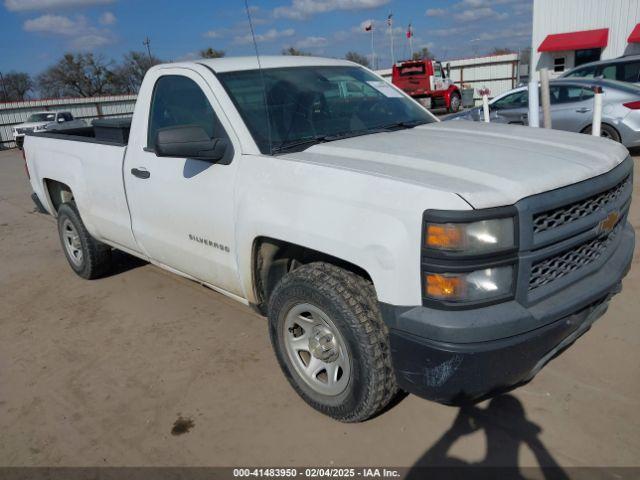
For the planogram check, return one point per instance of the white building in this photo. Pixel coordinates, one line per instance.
(569, 33)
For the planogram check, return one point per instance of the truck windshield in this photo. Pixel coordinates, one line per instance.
(308, 105)
(42, 117)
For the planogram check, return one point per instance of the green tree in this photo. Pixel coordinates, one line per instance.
(212, 53)
(357, 58)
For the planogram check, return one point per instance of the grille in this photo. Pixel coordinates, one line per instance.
(552, 268)
(569, 213)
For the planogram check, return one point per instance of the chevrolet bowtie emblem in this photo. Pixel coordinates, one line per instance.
(606, 225)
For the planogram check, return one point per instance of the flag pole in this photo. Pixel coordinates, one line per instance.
(373, 50)
(390, 23)
(410, 33)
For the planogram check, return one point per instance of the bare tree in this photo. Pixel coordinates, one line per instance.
(500, 51)
(295, 52)
(80, 74)
(423, 54)
(127, 77)
(357, 58)
(17, 86)
(212, 53)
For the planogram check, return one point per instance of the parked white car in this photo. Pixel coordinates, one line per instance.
(44, 121)
(388, 250)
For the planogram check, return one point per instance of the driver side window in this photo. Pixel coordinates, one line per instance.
(179, 101)
(515, 100)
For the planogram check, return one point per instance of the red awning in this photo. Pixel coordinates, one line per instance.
(575, 40)
(635, 35)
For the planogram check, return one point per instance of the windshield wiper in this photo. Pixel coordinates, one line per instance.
(400, 125)
(308, 142)
(283, 147)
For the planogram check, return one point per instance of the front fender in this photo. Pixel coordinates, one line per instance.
(372, 222)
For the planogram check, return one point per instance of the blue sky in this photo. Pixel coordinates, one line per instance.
(34, 33)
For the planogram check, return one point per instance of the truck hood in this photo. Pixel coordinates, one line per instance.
(489, 165)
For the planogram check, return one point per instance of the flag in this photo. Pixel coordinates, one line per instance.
(409, 32)
(389, 19)
(368, 27)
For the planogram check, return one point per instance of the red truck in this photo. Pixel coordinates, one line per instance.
(427, 82)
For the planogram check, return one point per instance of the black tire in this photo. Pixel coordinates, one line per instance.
(95, 260)
(351, 304)
(606, 131)
(454, 103)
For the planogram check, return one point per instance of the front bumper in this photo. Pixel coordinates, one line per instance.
(452, 357)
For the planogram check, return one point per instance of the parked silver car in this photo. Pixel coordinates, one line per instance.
(572, 108)
(623, 69)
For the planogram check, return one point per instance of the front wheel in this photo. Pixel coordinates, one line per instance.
(331, 342)
(606, 131)
(454, 103)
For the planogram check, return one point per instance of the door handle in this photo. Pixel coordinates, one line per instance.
(583, 110)
(140, 172)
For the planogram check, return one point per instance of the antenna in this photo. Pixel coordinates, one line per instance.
(264, 84)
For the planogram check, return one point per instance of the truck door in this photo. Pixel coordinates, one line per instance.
(182, 209)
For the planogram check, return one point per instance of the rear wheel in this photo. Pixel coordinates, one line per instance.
(454, 103)
(331, 343)
(606, 131)
(87, 257)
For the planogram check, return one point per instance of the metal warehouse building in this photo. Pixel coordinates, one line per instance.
(569, 33)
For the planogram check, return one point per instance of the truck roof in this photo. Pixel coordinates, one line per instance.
(234, 64)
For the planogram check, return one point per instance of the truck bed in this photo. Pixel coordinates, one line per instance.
(112, 131)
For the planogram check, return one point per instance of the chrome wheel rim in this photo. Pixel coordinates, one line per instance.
(316, 349)
(72, 243)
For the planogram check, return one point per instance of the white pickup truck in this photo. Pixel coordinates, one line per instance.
(45, 121)
(388, 250)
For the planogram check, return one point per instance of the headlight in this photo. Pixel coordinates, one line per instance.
(474, 238)
(478, 285)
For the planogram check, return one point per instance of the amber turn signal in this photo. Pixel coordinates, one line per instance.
(444, 287)
(444, 236)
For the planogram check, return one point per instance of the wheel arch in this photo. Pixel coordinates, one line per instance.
(272, 258)
(57, 193)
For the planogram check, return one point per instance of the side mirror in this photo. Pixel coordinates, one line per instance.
(448, 70)
(60, 120)
(189, 141)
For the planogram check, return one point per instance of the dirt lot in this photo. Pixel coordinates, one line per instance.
(97, 372)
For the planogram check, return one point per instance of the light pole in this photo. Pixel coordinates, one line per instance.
(147, 44)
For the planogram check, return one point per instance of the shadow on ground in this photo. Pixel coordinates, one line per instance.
(506, 428)
(123, 262)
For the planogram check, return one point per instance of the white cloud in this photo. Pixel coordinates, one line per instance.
(212, 34)
(81, 35)
(268, 36)
(312, 42)
(447, 32)
(108, 18)
(435, 12)
(24, 5)
(472, 15)
(302, 9)
(54, 24)
(90, 41)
